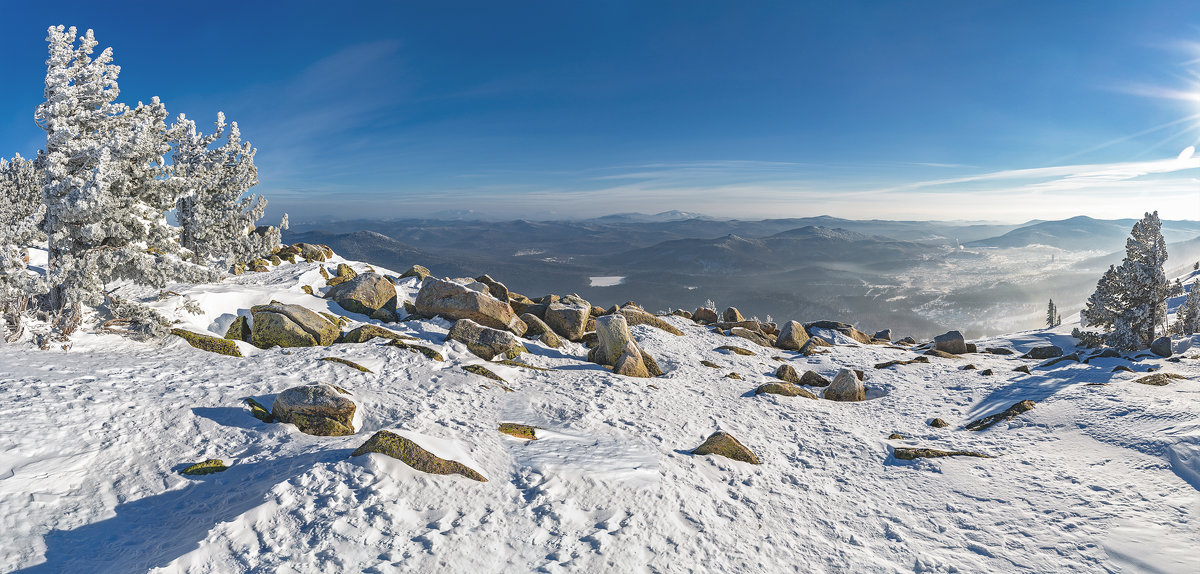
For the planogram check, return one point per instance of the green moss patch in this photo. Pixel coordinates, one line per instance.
(1159, 379)
(986, 422)
(259, 411)
(209, 466)
(483, 372)
(209, 343)
(429, 353)
(518, 430)
(409, 452)
(736, 350)
(915, 453)
(347, 363)
(512, 363)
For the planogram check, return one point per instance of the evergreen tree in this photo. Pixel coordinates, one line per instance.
(1051, 315)
(20, 212)
(1188, 316)
(1131, 299)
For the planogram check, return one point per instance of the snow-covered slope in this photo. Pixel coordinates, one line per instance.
(1101, 476)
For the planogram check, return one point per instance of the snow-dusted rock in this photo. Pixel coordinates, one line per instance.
(485, 342)
(569, 316)
(846, 387)
(279, 324)
(1161, 346)
(320, 410)
(311, 252)
(813, 379)
(453, 301)
(723, 444)
(612, 334)
(368, 293)
(391, 444)
(417, 271)
(791, 337)
(951, 342)
(1043, 352)
(364, 333)
(495, 288)
(636, 316)
(538, 328)
(208, 343)
(752, 336)
(883, 335)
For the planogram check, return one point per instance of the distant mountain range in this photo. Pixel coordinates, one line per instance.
(1084, 234)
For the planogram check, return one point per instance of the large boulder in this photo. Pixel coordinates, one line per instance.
(364, 333)
(1044, 352)
(368, 293)
(732, 315)
(319, 410)
(417, 271)
(1161, 347)
(239, 329)
(883, 335)
(452, 301)
(951, 342)
(538, 328)
(791, 336)
(723, 444)
(485, 342)
(495, 288)
(636, 316)
(310, 252)
(569, 316)
(846, 387)
(630, 362)
(612, 334)
(705, 315)
(787, 373)
(813, 379)
(290, 326)
(752, 336)
(391, 444)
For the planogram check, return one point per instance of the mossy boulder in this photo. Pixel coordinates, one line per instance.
(519, 430)
(346, 271)
(391, 444)
(258, 411)
(370, 294)
(415, 271)
(320, 410)
(732, 315)
(784, 389)
(364, 333)
(207, 467)
(453, 301)
(568, 316)
(485, 342)
(539, 329)
(788, 374)
(915, 453)
(792, 336)
(209, 343)
(239, 329)
(311, 253)
(736, 350)
(279, 324)
(723, 444)
(813, 379)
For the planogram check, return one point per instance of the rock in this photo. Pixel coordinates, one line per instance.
(1023, 369)
(723, 444)
(938, 423)
(452, 301)
(732, 315)
(495, 288)
(883, 335)
(1055, 361)
(736, 350)
(710, 364)
(942, 354)
(486, 342)
(415, 271)
(639, 317)
(1158, 379)
(651, 365)
(969, 368)
(1104, 354)
(846, 387)
(630, 362)
(915, 453)
(239, 329)
(987, 372)
(921, 359)
(590, 340)
(346, 271)
(569, 317)
(310, 253)
(485, 372)
(1121, 368)
(752, 336)
(788, 374)
(258, 411)
(950, 342)
(290, 326)
(368, 293)
(364, 333)
(1043, 352)
(260, 265)
(518, 430)
(999, 351)
(207, 467)
(681, 313)
(831, 325)
(1161, 346)
(986, 422)
(612, 335)
(393, 445)
(209, 343)
(733, 376)
(971, 348)
(813, 379)
(907, 341)
(315, 409)
(348, 363)
(535, 327)
(426, 351)
(704, 316)
(784, 389)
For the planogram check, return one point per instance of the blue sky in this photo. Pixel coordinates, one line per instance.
(911, 110)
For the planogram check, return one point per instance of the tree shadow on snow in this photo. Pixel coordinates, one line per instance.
(1036, 387)
(152, 531)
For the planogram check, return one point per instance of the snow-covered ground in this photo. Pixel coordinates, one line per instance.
(1102, 476)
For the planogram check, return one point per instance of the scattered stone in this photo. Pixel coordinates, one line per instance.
(971, 348)
(307, 289)
(907, 341)
(938, 423)
(290, 326)
(950, 342)
(324, 272)
(1023, 369)
(452, 301)
(1161, 346)
(1043, 352)
(681, 313)
(883, 335)
(364, 333)
(612, 336)
(704, 316)
(344, 270)
(784, 389)
(986, 422)
(630, 363)
(732, 315)
(368, 293)
(942, 354)
(260, 265)
(347, 362)
(752, 336)
(485, 342)
(393, 445)
(915, 453)
(258, 411)
(310, 253)
(987, 372)
(921, 359)
(788, 374)
(999, 351)
(429, 353)
(415, 271)
(518, 430)
(1104, 354)
(969, 367)
(723, 444)
(535, 327)
(1159, 379)
(710, 364)
(813, 379)
(846, 387)
(315, 409)
(495, 288)
(209, 343)
(895, 436)
(522, 365)
(733, 376)
(568, 316)
(207, 467)
(635, 316)
(1055, 361)
(1120, 368)
(239, 329)
(736, 350)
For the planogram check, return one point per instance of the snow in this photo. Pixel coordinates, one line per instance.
(606, 281)
(1096, 478)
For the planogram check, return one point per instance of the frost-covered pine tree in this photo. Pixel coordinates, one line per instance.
(1188, 315)
(217, 219)
(1131, 299)
(105, 182)
(1051, 315)
(21, 211)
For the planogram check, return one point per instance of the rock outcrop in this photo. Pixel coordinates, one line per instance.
(391, 444)
(569, 317)
(792, 336)
(951, 342)
(371, 294)
(846, 387)
(319, 410)
(486, 342)
(453, 301)
(279, 324)
(705, 316)
(732, 315)
(535, 327)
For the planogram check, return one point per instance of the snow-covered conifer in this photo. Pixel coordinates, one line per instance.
(1051, 315)
(1131, 299)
